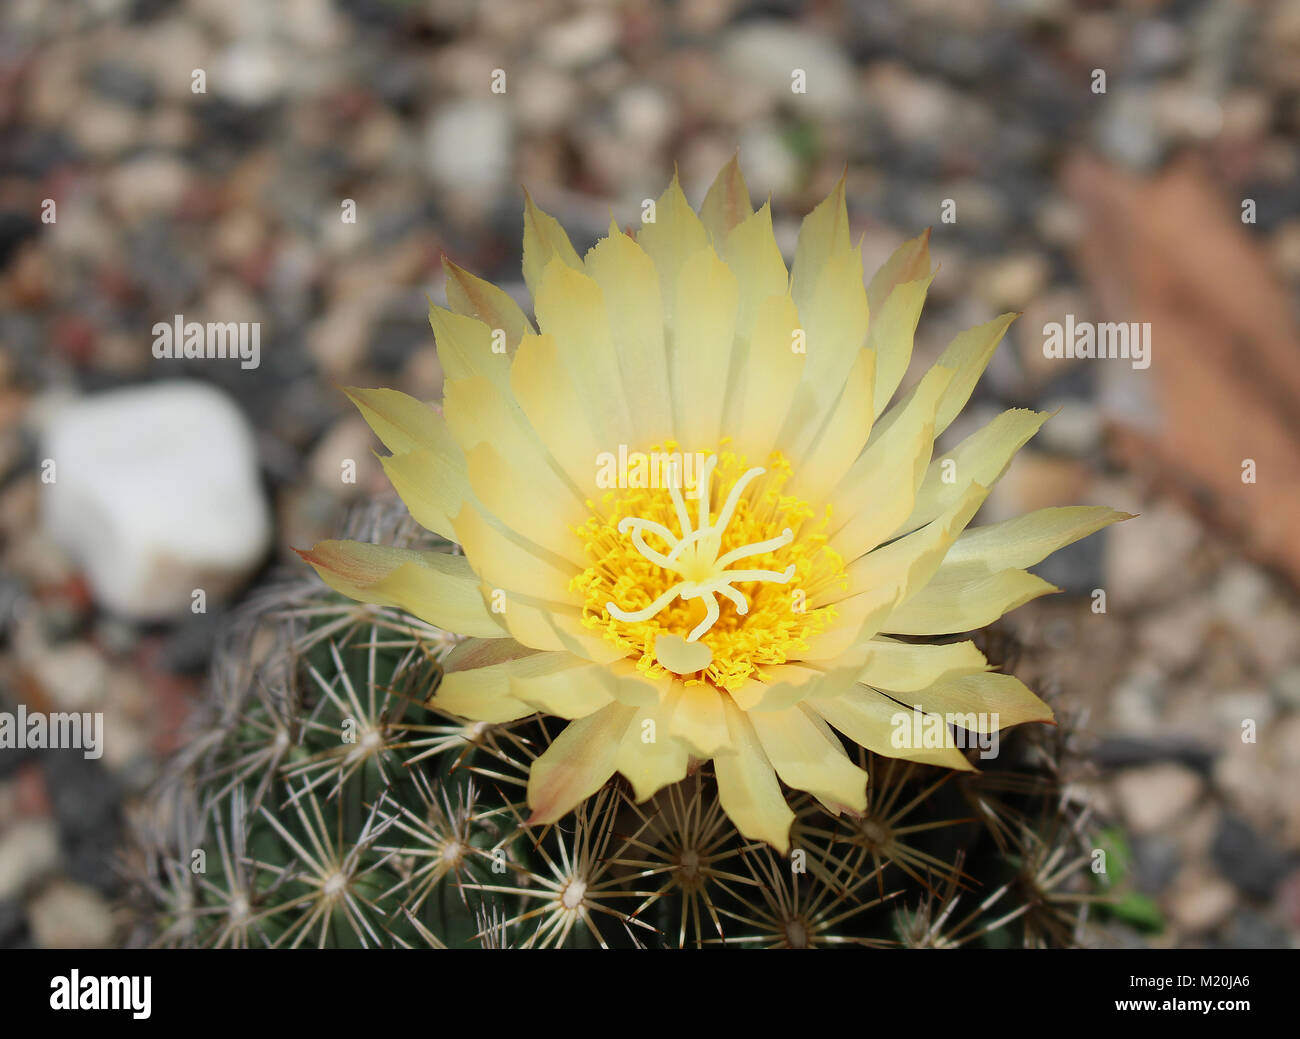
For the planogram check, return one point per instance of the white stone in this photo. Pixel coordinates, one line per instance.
(1156, 796)
(765, 55)
(468, 144)
(156, 494)
(29, 850)
(70, 916)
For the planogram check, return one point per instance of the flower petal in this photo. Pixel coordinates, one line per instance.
(472, 685)
(649, 757)
(478, 412)
(574, 691)
(577, 764)
(550, 401)
(432, 484)
(696, 717)
(905, 666)
(527, 505)
(544, 240)
(986, 700)
(438, 588)
(483, 692)
(908, 563)
(807, 756)
(909, 262)
(1025, 540)
(968, 355)
(726, 204)
(550, 626)
(782, 686)
(879, 490)
(465, 348)
(751, 252)
(891, 334)
(675, 235)
(983, 457)
(765, 384)
(870, 720)
(835, 319)
(398, 419)
(571, 309)
(506, 561)
(858, 618)
(949, 607)
(700, 356)
(747, 785)
(842, 436)
(824, 233)
(627, 279)
(475, 297)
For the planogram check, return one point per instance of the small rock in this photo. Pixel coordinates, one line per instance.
(1075, 428)
(72, 675)
(13, 924)
(69, 916)
(123, 83)
(771, 168)
(1011, 282)
(1155, 863)
(1036, 480)
(1246, 777)
(1251, 930)
(1248, 859)
(766, 54)
(579, 41)
(1271, 636)
(468, 145)
(29, 850)
(1135, 703)
(157, 494)
(1145, 554)
(251, 74)
(1127, 129)
(346, 450)
(1232, 707)
(1153, 797)
(644, 116)
(544, 99)
(1156, 45)
(147, 186)
(1200, 901)
(1174, 637)
(1286, 686)
(1241, 590)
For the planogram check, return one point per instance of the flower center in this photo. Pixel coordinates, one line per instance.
(710, 589)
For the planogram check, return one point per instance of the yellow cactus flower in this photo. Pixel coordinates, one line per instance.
(691, 522)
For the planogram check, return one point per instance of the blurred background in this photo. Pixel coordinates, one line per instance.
(1166, 191)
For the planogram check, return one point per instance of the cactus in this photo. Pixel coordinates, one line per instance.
(321, 802)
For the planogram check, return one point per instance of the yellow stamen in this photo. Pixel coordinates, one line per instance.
(703, 570)
(656, 572)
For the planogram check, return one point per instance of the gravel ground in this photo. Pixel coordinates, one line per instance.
(227, 202)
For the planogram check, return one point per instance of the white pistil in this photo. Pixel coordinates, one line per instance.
(694, 556)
